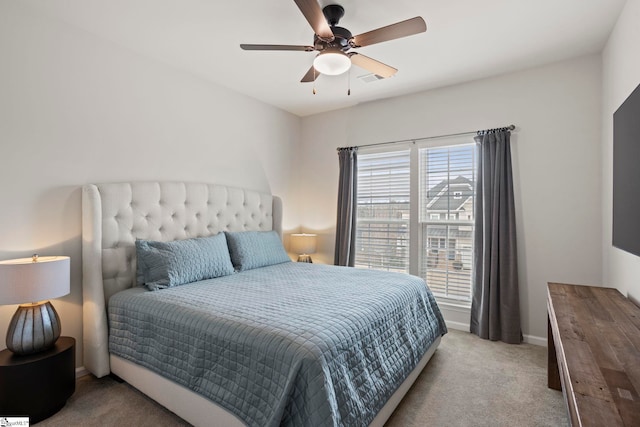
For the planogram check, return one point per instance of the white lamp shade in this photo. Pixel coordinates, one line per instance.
(25, 280)
(332, 62)
(303, 244)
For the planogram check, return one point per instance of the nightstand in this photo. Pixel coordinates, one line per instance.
(37, 385)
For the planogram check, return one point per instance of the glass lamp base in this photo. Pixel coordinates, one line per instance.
(33, 328)
(304, 258)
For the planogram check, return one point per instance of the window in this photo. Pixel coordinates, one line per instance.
(447, 175)
(430, 235)
(382, 230)
(436, 243)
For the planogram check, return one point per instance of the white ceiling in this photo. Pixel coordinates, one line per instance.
(465, 40)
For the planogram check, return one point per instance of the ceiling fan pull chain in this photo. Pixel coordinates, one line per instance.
(314, 80)
(349, 83)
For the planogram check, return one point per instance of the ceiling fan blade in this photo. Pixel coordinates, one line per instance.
(277, 47)
(369, 64)
(390, 32)
(311, 10)
(310, 76)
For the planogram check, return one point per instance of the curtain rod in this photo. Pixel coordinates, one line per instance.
(478, 132)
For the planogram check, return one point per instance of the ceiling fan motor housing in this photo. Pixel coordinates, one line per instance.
(333, 13)
(340, 42)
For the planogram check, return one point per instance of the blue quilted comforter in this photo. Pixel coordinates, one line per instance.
(290, 344)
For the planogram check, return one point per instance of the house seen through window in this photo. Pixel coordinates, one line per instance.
(415, 214)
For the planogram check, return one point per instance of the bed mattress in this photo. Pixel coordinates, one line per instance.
(289, 344)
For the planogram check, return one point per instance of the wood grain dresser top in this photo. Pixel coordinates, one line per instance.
(599, 334)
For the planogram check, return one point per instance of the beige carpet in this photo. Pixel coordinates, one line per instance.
(468, 382)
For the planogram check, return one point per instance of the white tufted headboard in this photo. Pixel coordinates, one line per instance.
(115, 215)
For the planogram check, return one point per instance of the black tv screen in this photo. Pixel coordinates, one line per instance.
(626, 174)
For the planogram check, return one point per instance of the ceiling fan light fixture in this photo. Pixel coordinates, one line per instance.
(332, 62)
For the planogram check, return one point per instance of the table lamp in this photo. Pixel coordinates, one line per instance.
(35, 326)
(303, 245)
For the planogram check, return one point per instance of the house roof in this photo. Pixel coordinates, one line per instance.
(450, 195)
(453, 232)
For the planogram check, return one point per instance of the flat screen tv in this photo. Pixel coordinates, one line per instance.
(626, 174)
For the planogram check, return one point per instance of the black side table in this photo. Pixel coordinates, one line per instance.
(37, 385)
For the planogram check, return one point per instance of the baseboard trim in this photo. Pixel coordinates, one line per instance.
(535, 340)
(81, 372)
(529, 339)
(459, 326)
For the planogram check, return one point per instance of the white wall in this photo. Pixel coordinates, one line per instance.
(75, 109)
(621, 75)
(556, 159)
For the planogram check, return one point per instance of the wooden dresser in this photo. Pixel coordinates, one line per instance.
(594, 354)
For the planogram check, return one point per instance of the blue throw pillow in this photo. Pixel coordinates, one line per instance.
(167, 264)
(254, 249)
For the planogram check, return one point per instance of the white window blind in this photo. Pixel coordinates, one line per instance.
(441, 178)
(447, 197)
(382, 231)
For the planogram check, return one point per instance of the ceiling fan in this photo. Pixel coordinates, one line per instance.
(333, 43)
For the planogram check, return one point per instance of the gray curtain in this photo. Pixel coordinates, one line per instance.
(495, 307)
(346, 222)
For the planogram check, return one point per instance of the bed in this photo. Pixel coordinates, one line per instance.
(280, 344)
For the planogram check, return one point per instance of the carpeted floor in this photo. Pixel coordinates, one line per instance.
(468, 382)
